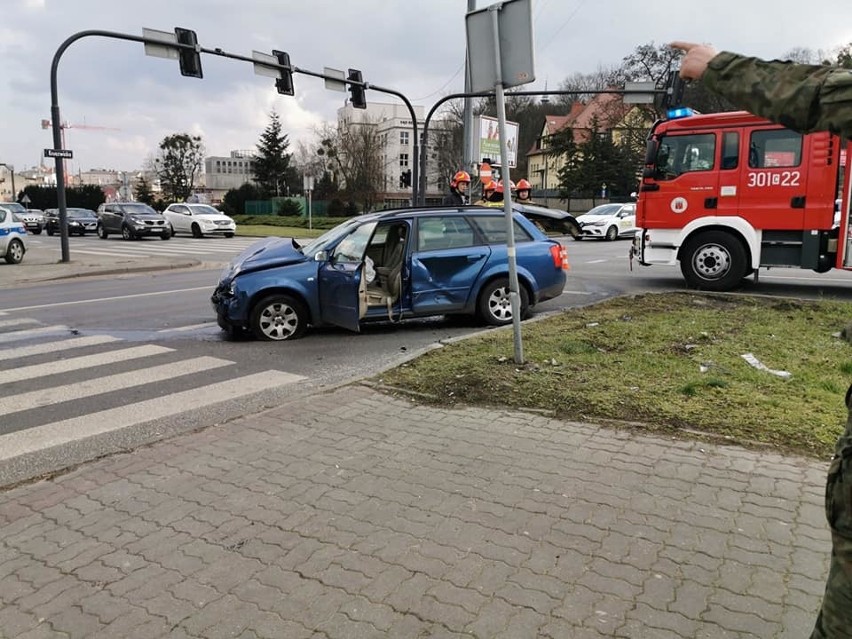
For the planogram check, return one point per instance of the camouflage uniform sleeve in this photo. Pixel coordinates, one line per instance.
(801, 97)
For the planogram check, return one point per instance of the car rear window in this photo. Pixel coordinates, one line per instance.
(493, 227)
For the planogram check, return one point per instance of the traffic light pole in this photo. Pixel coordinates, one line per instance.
(484, 94)
(55, 117)
(185, 46)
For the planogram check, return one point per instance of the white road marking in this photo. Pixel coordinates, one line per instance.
(596, 262)
(79, 428)
(78, 363)
(187, 328)
(16, 336)
(101, 385)
(111, 299)
(17, 322)
(48, 347)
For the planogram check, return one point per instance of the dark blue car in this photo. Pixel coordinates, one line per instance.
(391, 265)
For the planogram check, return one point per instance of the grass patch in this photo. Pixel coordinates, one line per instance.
(670, 362)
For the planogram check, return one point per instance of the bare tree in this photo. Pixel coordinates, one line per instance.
(446, 144)
(354, 154)
(586, 84)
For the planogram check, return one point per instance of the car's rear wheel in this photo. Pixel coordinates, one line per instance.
(126, 233)
(611, 233)
(278, 317)
(102, 232)
(196, 231)
(15, 252)
(495, 305)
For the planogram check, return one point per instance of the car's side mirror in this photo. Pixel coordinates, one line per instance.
(321, 256)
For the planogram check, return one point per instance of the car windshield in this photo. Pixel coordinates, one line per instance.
(138, 209)
(77, 213)
(604, 209)
(203, 209)
(14, 207)
(329, 237)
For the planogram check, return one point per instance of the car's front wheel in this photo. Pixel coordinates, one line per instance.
(15, 252)
(495, 305)
(166, 236)
(714, 261)
(37, 230)
(50, 231)
(102, 232)
(126, 232)
(611, 234)
(196, 231)
(278, 317)
(229, 235)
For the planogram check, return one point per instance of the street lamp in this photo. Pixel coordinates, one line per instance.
(11, 170)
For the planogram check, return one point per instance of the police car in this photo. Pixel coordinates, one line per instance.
(608, 222)
(13, 237)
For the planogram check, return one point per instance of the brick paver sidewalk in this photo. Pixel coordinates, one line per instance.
(355, 514)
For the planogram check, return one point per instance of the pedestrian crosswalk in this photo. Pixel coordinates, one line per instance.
(176, 247)
(60, 388)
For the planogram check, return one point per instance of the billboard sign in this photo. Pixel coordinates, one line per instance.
(489, 140)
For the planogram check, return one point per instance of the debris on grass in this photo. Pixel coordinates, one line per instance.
(756, 363)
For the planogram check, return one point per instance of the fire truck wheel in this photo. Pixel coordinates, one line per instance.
(714, 261)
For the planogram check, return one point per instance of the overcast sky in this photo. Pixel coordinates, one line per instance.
(415, 47)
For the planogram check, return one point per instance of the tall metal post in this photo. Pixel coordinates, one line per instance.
(468, 107)
(514, 297)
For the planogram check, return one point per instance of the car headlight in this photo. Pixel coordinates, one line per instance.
(598, 223)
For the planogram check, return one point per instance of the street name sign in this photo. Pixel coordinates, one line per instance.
(59, 153)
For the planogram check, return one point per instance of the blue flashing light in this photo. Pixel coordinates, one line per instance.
(680, 112)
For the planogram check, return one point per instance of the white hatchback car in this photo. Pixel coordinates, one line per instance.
(13, 237)
(199, 219)
(608, 221)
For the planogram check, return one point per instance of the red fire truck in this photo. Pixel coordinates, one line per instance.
(727, 193)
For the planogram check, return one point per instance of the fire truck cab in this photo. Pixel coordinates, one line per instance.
(726, 193)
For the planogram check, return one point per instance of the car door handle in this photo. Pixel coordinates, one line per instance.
(473, 257)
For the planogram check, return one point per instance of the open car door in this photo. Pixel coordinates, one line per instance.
(342, 288)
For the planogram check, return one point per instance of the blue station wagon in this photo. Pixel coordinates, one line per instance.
(391, 265)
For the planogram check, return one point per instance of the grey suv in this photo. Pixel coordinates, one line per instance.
(33, 220)
(132, 220)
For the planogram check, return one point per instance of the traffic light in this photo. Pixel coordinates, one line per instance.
(284, 84)
(359, 99)
(190, 59)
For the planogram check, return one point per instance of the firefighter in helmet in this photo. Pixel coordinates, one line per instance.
(487, 193)
(459, 187)
(495, 198)
(524, 191)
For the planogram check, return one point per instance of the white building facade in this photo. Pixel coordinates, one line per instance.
(395, 128)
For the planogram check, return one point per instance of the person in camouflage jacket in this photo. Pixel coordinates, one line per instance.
(803, 98)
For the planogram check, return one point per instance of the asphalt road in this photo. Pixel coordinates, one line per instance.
(96, 365)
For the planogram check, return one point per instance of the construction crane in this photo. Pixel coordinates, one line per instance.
(46, 124)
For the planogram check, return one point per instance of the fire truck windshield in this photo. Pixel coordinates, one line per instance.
(678, 154)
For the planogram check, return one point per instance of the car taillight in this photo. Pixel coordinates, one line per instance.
(560, 257)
